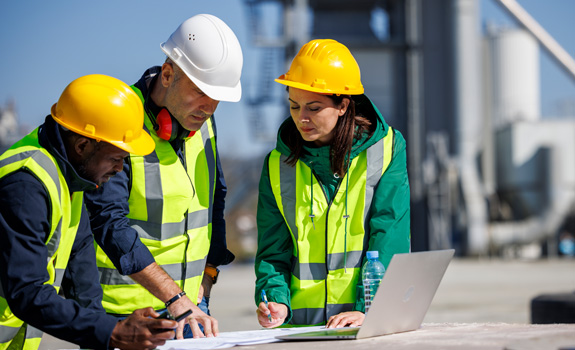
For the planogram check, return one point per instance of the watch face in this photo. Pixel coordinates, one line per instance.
(212, 272)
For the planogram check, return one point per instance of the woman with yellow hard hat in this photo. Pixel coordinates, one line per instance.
(334, 187)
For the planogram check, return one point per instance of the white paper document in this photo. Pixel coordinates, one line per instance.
(230, 339)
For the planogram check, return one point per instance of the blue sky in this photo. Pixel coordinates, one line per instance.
(47, 44)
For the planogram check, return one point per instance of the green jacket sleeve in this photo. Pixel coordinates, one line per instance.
(275, 247)
(390, 212)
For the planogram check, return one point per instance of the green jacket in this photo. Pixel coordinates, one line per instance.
(390, 210)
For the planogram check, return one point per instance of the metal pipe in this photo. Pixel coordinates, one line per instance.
(468, 119)
(524, 18)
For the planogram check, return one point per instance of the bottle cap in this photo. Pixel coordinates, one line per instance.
(372, 254)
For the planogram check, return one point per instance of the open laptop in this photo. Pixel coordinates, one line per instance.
(401, 301)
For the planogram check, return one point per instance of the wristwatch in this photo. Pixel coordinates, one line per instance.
(213, 272)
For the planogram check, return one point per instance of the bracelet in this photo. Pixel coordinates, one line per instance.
(176, 297)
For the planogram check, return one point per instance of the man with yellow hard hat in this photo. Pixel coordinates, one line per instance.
(44, 229)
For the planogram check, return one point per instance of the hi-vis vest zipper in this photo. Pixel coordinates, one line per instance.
(328, 254)
(65, 217)
(170, 207)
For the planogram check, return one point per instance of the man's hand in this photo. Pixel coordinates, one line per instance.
(194, 320)
(139, 331)
(278, 312)
(161, 285)
(346, 319)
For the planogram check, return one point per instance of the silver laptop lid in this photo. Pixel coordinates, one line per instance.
(405, 293)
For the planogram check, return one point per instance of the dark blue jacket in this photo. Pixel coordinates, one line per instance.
(108, 207)
(24, 229)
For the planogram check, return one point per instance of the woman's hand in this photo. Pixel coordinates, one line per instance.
(278, 312)
(346, 319)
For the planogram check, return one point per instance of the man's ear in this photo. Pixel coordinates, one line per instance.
(167, 75)
(83, 146)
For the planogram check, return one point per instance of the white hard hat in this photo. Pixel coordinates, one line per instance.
(209, 52)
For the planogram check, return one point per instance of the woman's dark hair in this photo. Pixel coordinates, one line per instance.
(349, 127)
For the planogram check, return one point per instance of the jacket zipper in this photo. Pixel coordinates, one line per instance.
(326, 226)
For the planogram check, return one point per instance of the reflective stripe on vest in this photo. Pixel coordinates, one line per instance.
(170, 207)
(23, 338)
(328, 265)
(65, 217)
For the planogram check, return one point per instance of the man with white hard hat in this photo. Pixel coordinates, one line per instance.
(160, 226)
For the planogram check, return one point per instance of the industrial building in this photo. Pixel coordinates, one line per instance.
(488, 175)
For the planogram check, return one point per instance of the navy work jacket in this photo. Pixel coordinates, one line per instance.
(24, 229)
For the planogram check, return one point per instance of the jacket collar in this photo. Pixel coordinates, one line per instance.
(50, 138)
(151, 109)
(146, 81)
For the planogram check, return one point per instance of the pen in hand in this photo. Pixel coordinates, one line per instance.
(265, 299)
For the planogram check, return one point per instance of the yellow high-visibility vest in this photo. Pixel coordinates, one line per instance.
(328, 261)
(171, 208)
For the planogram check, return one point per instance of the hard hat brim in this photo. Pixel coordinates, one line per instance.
(306, 87)
(140, 146)
(218, 93)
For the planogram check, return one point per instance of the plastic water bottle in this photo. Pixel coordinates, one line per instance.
(372, 273)
(567, 246)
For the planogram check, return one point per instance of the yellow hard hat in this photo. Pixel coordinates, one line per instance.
(106, 109)
(324, 66)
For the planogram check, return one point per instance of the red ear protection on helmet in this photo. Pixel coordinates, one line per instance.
(168, 127)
